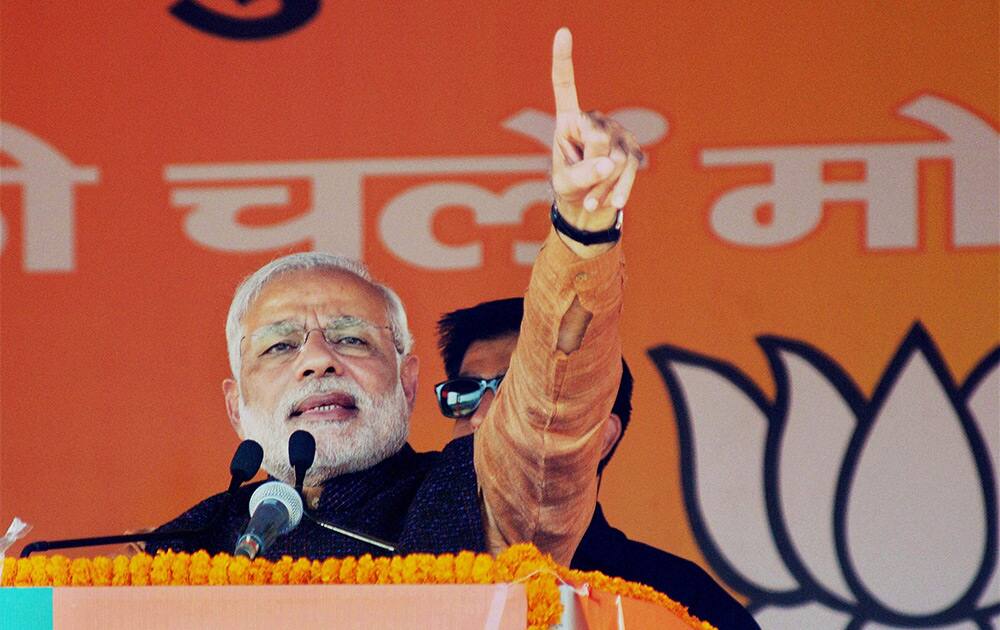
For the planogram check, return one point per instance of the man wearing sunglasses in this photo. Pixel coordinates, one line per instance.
(476, 345)
(316, 344)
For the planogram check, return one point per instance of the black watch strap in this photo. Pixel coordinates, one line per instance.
(610, 235)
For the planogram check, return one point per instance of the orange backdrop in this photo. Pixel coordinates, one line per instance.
(116, 276)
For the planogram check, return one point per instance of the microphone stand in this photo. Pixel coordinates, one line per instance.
(246, 462)
(96, 541)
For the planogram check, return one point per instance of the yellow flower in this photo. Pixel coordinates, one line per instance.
(280, 570)
(218, 573)
(179, 569)
(22, 574)
(9, 571)
(238, 570)
(101, 571)
(57, 570)
(482, 569)
(159, 570)
(199, 567)
(382, 569)
(300, 571)
(260, 571)
(331, 571)
(316, 572)
(463, 566)
(138, 569)
(444, 569)
(396, 570)
(79, 572)
(348, 570)
(366, 567)
(120, 574)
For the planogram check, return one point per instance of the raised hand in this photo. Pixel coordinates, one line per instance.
(594, 159)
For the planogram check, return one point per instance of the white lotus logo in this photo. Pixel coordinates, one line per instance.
(830, 509)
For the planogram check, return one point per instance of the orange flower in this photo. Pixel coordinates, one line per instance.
(199, 567)
(444, 569)
(58, 570)
(463, 566)
(138, 569)
(260, 571)
(482, 569)
(79, 572)
(396, 570)
(382, 569)
(331, 571)
(365, 570)
(316, 572)
(300, 571)
(238, 570)
(520, 563)
(101, 571)
(348, 570)
(280, 570)
(159, 570)
(9, 571)
(120, 575)
(23, 575)
(218, 573)
(179, 569)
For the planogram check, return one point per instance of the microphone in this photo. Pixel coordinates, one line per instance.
(301, 453)
(275, 509)
(245, 464)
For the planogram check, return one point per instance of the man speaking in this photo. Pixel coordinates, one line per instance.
(316, 344)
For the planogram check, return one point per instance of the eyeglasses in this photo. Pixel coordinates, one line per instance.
(460, 397)
(282, 341)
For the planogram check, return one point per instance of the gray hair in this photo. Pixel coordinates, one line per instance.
(250, 289)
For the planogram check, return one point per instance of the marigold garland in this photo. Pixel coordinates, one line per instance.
(519, 563)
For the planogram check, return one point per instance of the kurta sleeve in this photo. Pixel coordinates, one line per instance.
(537, 451)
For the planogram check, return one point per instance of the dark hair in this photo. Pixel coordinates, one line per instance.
(459, 329)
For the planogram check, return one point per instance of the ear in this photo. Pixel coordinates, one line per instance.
(231, 390)
(610, 434)
(408, 372)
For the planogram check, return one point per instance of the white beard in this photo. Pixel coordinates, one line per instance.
(379, 430)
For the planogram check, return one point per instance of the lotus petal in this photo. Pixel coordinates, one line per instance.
(983, 395)
(812, 615)
(818, 413)
(722, 423)
(914, 543)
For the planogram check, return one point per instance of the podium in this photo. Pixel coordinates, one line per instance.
(363, 607)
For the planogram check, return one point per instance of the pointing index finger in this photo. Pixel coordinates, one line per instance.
(563, 83)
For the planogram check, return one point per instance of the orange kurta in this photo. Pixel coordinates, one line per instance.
(537, 451)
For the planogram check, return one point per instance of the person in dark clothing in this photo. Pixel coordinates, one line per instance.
(476, 345)
(316, 344)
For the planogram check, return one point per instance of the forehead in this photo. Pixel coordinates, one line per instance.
(319, 294)
(487, 358)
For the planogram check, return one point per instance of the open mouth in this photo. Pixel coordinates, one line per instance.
(324, 403)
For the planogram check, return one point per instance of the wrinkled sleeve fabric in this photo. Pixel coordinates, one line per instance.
(537, 451)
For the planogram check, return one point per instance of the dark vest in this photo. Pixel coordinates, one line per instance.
(421, 502)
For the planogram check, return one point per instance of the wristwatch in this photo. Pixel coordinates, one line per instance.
(610, 235)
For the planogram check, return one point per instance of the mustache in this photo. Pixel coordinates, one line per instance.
(324, 385)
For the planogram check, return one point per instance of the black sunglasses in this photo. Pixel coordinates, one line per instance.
(460, 397)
